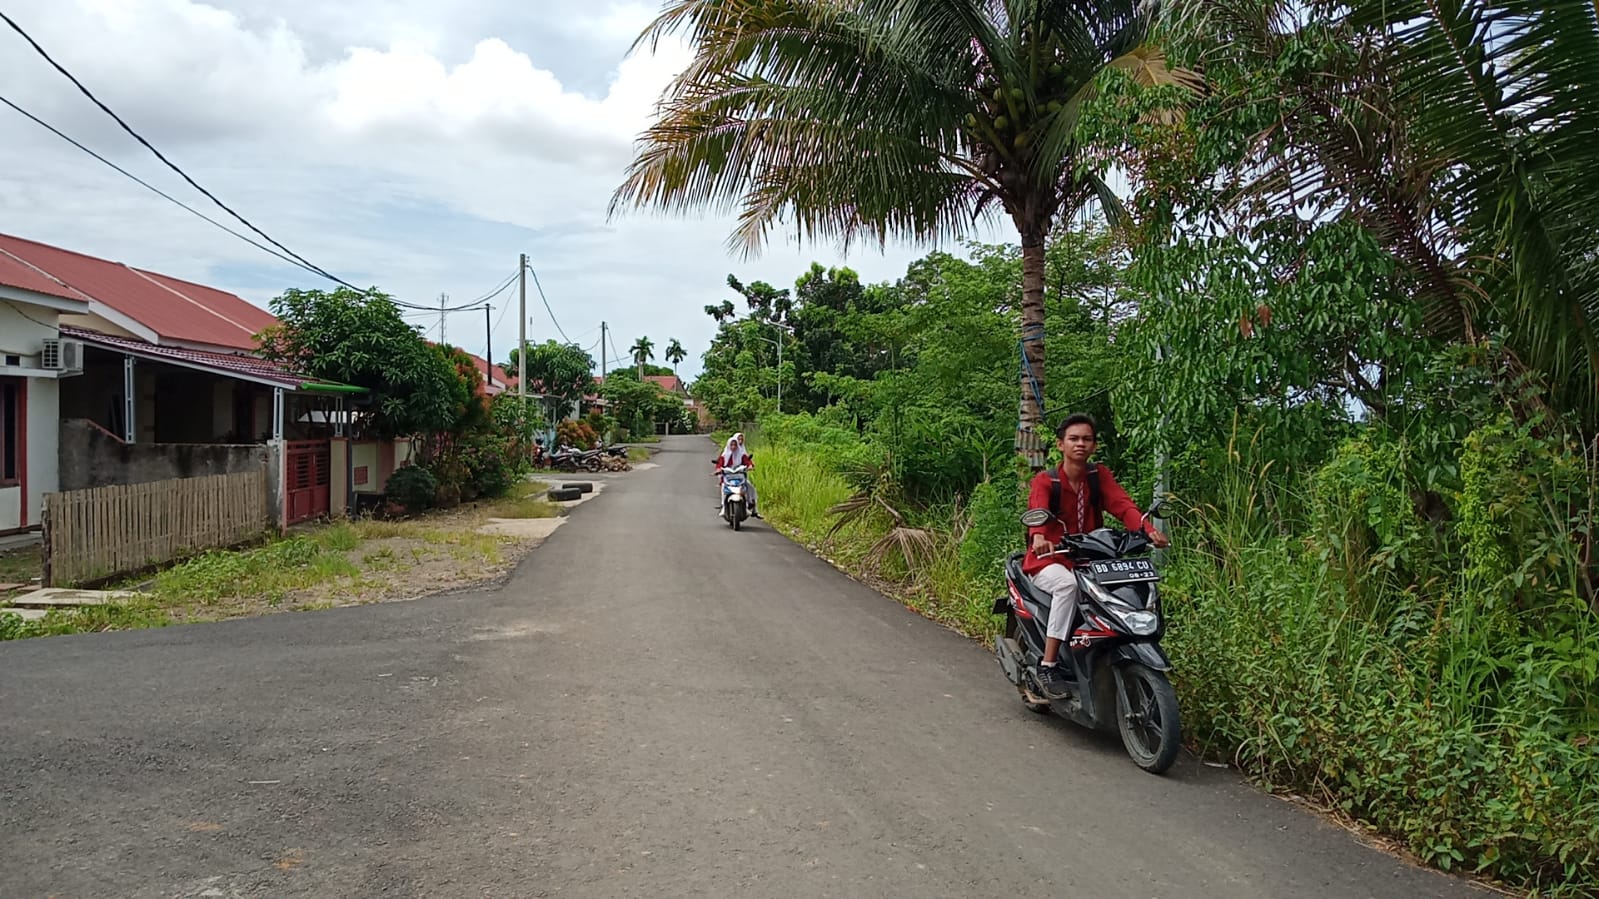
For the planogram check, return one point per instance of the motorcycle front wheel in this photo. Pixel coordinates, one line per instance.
(1147, 717)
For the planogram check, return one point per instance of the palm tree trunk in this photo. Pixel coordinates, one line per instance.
(1032, 443)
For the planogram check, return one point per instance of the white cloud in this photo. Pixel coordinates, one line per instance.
(417, 145)
(500, 97)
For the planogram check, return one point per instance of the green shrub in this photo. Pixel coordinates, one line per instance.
(413, 487)
(995, 532)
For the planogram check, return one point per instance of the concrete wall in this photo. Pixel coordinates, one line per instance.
(23, 330)
(339, 478)
(92, 458)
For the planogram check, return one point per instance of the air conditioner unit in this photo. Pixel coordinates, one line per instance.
(61, 355)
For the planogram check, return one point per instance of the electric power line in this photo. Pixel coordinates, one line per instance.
(151, 147)
(547, 304)
(292, 257)
(152, 188)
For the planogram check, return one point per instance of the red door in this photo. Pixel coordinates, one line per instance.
(309, 464)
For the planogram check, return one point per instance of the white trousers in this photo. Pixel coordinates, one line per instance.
(1061, 584)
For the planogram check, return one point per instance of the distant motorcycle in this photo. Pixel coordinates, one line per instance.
(734, 507)
(1114, 658)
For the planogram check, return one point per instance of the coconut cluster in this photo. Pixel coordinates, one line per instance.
(1004, 111)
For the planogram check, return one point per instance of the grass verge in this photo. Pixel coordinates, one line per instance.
(339, 563)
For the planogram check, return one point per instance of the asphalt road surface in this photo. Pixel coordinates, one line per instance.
(652, 705)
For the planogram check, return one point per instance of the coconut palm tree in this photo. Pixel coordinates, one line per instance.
(675, 354)
(905, 119)
(643, 351)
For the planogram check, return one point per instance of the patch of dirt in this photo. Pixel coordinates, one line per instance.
(447, 551)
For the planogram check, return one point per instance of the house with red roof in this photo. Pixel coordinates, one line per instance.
(156, 377)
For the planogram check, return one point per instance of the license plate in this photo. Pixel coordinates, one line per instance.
(1124, 571)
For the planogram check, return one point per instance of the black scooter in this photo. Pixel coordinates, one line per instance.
(1114, 657)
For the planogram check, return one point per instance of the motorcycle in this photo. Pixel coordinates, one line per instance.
(1118, 670)
(566, 458)
(734, 507)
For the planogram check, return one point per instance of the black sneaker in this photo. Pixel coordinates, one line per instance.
(1055, 680)
(754, 514)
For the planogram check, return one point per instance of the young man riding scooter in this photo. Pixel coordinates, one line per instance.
(1077, 493)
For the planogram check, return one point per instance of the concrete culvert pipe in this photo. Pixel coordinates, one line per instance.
(579, 486)
(564, 494)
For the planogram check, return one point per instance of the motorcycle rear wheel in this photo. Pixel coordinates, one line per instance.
(1146, 715)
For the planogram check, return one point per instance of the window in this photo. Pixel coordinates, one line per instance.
(11, 448)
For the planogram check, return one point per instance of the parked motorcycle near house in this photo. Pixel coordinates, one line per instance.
(1118, 670)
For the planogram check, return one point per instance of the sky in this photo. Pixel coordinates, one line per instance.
(415, 146)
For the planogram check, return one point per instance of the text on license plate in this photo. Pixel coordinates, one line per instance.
(1123, 570)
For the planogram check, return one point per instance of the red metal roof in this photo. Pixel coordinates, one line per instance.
(16, 273)
(494, 376)
(175, 310)
(237, 364)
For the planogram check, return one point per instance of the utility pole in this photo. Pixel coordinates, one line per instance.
(521, 345)
(442, 298)
(488, 347)
(602, 349)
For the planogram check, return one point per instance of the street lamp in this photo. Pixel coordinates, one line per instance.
(779, 344)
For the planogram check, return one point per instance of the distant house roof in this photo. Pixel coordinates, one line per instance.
(495, 377)
(242, 366)
(173, 310)
(668, 383)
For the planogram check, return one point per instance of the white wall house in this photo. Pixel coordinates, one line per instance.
(32, 360)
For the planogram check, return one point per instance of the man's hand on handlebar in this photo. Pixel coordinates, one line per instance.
(1041, 546)
(1157, 537)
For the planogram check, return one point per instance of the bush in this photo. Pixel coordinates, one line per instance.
(996, 531)
(576, 433)
(413, 487)
(490, 467)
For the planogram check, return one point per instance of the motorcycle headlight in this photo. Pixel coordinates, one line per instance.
(1141, 622)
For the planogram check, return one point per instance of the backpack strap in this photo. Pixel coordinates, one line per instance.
(1095, 498)
(1054, 492)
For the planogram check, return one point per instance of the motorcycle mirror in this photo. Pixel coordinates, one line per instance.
(1156, 507)
(1036, 517)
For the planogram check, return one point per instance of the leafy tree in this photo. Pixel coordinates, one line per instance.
(640, 405)
(561, 371)
(896, 118)
(358, 337)
(1461, 135)
(632, 373)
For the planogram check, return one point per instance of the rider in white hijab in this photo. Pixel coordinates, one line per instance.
(733, 454)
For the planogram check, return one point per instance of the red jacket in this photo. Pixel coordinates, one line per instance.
(747, 461)
(1115, 501)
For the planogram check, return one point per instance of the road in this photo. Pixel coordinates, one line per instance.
(651, 705)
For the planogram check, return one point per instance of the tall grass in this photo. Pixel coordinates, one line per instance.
(798, 485)
(1382, 671)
